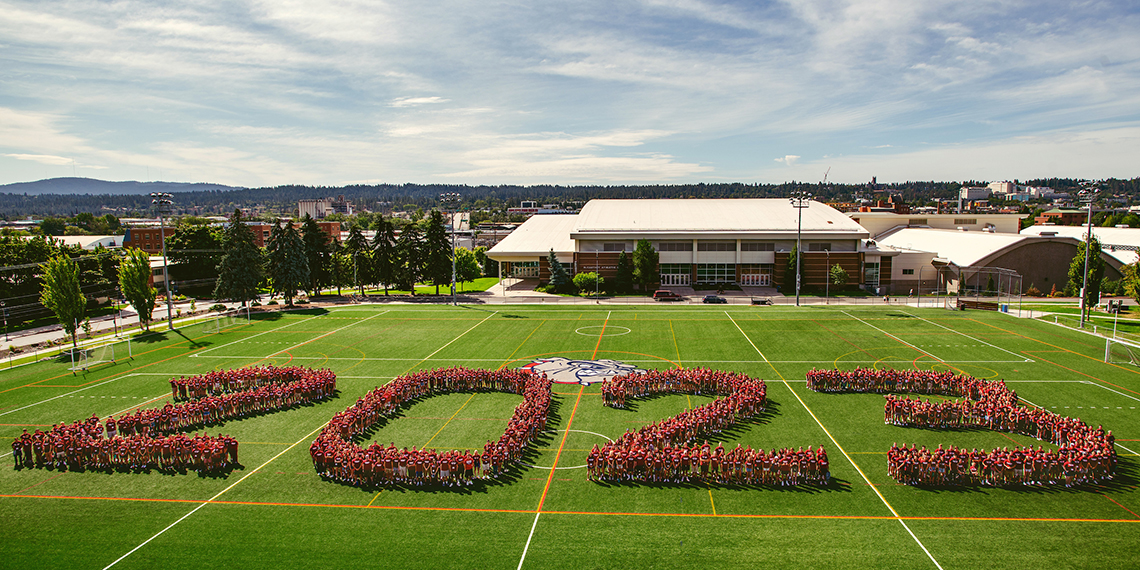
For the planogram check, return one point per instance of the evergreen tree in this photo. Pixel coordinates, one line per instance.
(318, 253)
(645, 262)
(241, 269)
(61, 293)
(623, 281)
(410, 264)
(134, 281)
(357, 247)
(559, 280)
(384, 257)
(288, 265)
(1096, 272)
(437, 252)
(340, 267)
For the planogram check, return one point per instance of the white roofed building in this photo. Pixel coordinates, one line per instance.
(743, 241)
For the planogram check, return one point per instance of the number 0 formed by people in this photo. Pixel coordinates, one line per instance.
(1084, 456)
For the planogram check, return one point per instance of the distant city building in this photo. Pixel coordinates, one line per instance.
(974, 193)
(322, 207)
(146, 238)
(531, 208)
(1002, 187)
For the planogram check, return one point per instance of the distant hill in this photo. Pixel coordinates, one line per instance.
(91, 186)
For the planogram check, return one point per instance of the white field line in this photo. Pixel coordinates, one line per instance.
(428, 357)
(840, 447)
(894, 337)
(323, 335)
(195, 355)
(528, 537)
(1126, 449)
(972, 338)
(72, 392)
(1109, 389)
(211, 499)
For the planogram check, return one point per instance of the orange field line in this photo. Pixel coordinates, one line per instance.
(580, 513)
(561, 445)
(1122, 506)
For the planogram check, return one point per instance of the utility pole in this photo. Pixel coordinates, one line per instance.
(163, 201)
(1087, 196)
(800, 199)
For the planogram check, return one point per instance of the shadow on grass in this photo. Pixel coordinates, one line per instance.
(1126, 479)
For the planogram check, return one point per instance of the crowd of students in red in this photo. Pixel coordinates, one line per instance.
(1084, 455)
(662, 452)
(337, 457)
(152, 438)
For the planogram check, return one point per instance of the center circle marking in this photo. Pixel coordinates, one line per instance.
(572, 467)
(601, 329)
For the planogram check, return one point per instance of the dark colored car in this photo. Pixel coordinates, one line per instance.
(761, 301)
(715, 300)
(666, 295)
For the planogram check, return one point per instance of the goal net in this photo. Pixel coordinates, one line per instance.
(1118, 351)
(227, 320)
(86, 357)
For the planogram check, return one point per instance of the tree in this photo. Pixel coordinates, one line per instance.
(340, 267)
(241, 269)
(838, 276)
(790, 272)
(357, 246)
(466, 265)
(288, 265)
(53, 226)
(1096, 272)
(559, 279)
(490, 266)
(410, 264)
(1132, 281)
(317, 253)
(384, 255)
(623, 281)
(195, 252)
(645, 260)
(61, 293)
(134, 282)
(588, 282)
(436, 252)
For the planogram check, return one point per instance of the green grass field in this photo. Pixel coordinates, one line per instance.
(277, 513)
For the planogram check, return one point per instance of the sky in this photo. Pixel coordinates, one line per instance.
(269, 92)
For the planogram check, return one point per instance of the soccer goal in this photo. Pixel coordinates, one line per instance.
(227, 320)
(1118, 351)
(86, 357)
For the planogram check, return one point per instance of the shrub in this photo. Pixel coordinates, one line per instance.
(271, 302)
(1033, 291)
(218, 307)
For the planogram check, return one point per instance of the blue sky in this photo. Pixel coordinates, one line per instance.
(266, 92)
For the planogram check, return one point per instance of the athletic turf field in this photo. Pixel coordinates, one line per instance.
(277, 513)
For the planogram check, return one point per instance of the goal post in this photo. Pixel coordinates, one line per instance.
(227, 320)
(84, 358)
(1118, 351)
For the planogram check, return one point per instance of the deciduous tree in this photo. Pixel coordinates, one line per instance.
(61, 293)
(134, 282)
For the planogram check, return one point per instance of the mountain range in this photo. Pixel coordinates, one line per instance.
(92, 186)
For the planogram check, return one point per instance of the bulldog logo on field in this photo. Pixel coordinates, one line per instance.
(585, 372)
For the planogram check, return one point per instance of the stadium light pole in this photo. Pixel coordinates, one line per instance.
(1087, 196)
(454, 199)
(800, 199)
(163, 201)
(4, 306)
(827, 280)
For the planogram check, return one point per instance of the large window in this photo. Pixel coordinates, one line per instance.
(871, 276)
(675, 274)
(965, 221)
(617, 246)
(757, 246)
(716, 246)
(819, 246)
(675, 246)
(716, 273)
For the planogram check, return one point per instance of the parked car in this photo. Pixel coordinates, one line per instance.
(715, 300)
(666, 295)
(761, 301)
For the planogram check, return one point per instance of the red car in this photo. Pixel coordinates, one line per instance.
(666, 295)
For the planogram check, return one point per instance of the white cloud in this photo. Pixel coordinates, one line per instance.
(413, 101)
(789, 159)
(42, 158)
